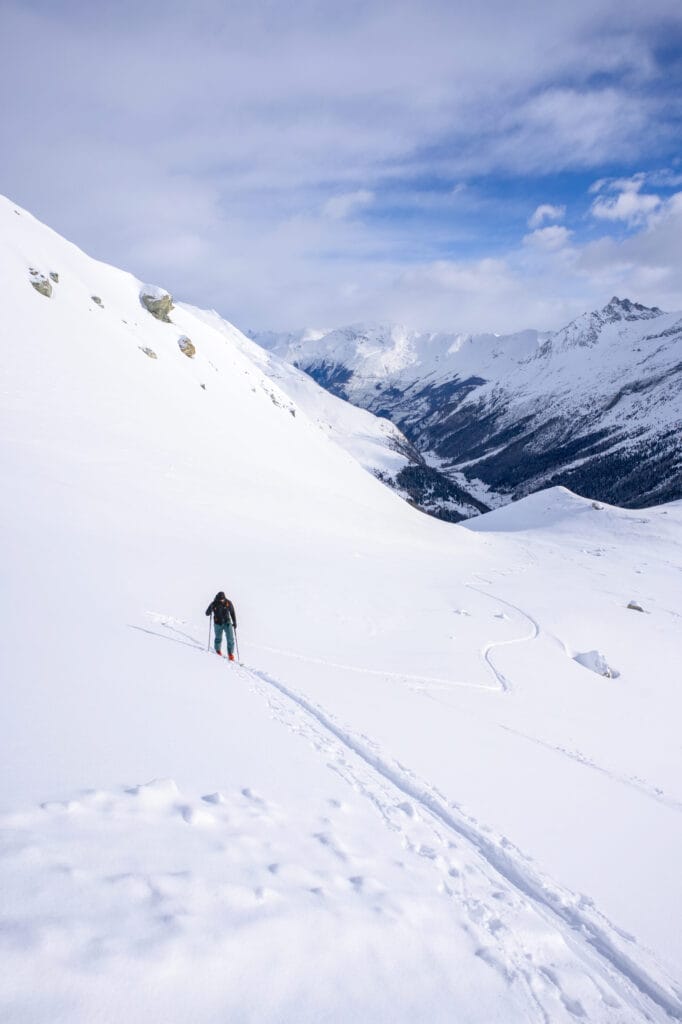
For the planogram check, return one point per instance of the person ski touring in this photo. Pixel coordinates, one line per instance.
(224, 621)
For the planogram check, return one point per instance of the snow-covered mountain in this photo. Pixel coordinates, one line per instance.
(597, 406)
(444, 783)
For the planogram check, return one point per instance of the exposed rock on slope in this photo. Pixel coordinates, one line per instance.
(157, 301)
(186, 347)
(40, 282)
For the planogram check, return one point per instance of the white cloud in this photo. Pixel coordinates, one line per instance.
(546, 212)
(345, 205)
(624, 201)
(238, 182)
(630, 207)
(553, 237)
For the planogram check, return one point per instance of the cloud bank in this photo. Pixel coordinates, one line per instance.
(322, 163)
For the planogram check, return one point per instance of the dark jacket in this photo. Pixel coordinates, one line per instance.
(222, 610)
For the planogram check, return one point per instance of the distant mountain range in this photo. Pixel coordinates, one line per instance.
(595, 406)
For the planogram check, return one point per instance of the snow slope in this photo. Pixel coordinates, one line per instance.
(376, 443)
(411, 803)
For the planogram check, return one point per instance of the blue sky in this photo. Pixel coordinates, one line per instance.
(479, 166)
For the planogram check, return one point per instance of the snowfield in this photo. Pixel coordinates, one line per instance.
(416, 799)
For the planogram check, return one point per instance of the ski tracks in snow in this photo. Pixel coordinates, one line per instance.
(487, 650)
(569, 959)
(631, 781)
(555, 943)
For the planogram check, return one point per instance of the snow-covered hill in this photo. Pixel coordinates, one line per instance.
(419, 798)
(596, 406)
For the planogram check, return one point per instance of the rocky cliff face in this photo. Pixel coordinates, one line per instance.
(596, 406)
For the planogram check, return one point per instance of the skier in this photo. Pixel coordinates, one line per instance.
(225, 621)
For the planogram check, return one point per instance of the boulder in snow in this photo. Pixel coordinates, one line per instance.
(187, 347)
(98, 302)
(634, 606)
(54, 276)
(148, 351)
(157, 301)
(597, 663)
(40, 282)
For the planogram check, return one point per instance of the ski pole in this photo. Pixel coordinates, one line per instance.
(237, 643)
(210, 623)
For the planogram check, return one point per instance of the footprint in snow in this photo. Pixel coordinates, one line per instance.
(326, 840)
(196, 815)
(214, 798)
(492, 960)
(253, 797)
(427, 851)
(573, 1005)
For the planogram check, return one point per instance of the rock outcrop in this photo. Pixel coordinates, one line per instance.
(40, 282)
(157, 301)
(187, 347)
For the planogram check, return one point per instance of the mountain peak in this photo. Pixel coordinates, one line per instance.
(624, 309)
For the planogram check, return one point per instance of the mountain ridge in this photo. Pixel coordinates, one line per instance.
(595, 406)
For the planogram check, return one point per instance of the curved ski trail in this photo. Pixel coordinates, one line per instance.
(494, 644)
(569, 959)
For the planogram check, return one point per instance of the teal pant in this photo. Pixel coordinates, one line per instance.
(228, 629)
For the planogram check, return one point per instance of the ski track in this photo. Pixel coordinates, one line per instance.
(382, 673)
(515, 887)
(190, 642)
(501, 680)
(505, 684)
(641, 785)
(586, 924)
